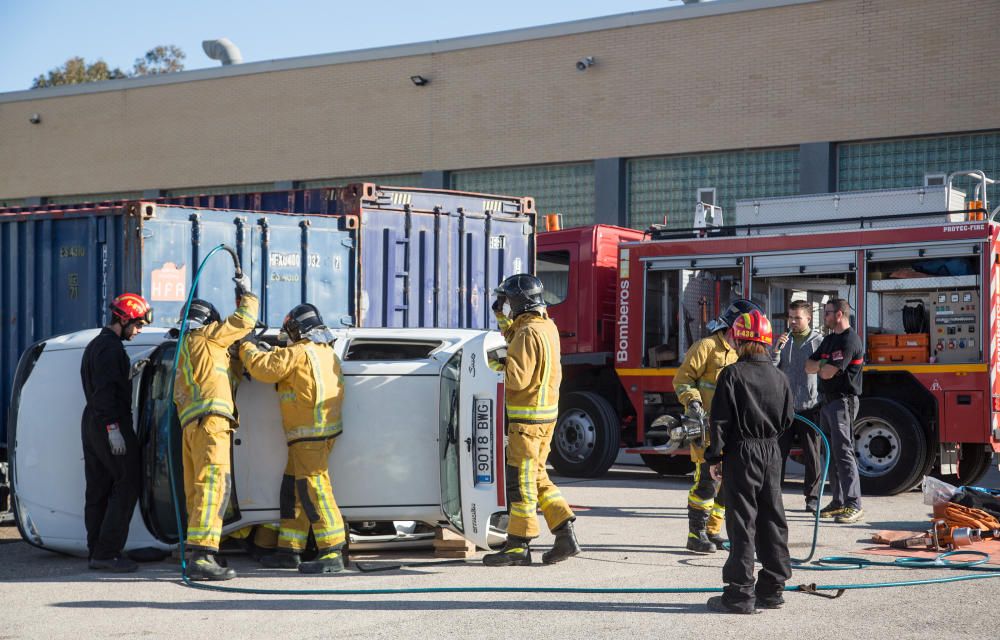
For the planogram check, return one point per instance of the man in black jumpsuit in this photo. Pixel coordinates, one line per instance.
(110, 447)
(752, 406)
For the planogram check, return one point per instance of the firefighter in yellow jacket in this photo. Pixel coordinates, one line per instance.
(203, 394)
(694, 385)
(532, 374)
(311, 393)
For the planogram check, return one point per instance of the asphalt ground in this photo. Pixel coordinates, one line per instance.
(632, 525)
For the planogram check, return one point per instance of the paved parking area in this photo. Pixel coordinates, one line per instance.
(632, 525)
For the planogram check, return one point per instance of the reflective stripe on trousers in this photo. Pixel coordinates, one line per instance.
(207, 480)
(528, 483)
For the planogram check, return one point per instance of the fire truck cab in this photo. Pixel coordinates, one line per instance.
(921, 271)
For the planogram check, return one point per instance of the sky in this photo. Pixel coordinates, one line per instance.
(39, 35)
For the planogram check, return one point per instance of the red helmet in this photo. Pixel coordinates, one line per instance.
(752, 327)
(131, 307)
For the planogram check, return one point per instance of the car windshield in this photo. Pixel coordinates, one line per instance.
(451, 495)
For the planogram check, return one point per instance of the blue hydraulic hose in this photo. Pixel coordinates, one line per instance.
(941, 561)
(798, 562)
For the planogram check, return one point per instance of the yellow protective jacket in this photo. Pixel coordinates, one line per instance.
(533, 372)
(310, 387)
(704, 361)
(205, 380)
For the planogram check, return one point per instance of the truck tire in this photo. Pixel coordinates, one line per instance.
(668, 465)
(586, 437)
(891, 447)
(975, 462)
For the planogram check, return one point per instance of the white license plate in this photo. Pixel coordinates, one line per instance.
(482, 440)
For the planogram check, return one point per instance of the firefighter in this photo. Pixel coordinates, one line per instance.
(694, 385)
(311, 392)
(752, 406)
(203, 394)
(110, 448)
(532, 374)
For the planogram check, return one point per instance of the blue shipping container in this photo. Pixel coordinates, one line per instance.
(379, 257)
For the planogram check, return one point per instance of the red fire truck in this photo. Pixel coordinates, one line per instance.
(920, 268)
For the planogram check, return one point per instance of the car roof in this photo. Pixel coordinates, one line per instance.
(152, 336)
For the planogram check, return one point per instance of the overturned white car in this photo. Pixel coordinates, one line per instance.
(423, 438)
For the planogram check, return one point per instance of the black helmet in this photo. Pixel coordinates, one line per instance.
(202, 312)
(523, 292)
(735, 309)
(301, 320)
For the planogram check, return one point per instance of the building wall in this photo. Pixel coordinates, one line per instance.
(889, 164)
(832, 70)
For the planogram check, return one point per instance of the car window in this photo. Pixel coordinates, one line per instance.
(553, 271)
(368, 349)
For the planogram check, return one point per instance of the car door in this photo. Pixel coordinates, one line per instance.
(473, 463)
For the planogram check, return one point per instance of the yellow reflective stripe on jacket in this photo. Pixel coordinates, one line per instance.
(209, 406)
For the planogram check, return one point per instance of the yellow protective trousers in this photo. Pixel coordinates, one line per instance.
(306, 499)
(528, 485)
(705, 495)
(207, 479)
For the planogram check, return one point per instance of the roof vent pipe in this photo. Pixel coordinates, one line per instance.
(222, 49)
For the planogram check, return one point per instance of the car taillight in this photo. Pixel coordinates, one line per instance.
(996, 403)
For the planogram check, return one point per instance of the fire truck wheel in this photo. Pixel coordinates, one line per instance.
(890, 445)
(669, 465)
(587, 435)
(974, 464)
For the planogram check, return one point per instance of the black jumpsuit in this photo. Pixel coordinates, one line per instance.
(751, 408)
(112, 481)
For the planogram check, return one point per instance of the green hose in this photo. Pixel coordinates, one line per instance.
(831, 563)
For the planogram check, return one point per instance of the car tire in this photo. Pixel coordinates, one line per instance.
(890, 445)
(668, 465)
(585, 442)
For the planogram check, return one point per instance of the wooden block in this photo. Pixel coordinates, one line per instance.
(454, 554)
(453, 544)
(446, 534)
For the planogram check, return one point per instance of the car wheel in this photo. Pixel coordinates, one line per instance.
(890, 445)
(668, 465)
(586, 438)
(973, 465)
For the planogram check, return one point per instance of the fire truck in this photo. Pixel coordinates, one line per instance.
(920, 268)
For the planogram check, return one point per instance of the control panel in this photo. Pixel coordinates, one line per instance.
(956, 336)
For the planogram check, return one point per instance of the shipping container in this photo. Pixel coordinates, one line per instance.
(376, 257)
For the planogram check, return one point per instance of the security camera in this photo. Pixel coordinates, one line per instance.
(583, 63)
(35, 118)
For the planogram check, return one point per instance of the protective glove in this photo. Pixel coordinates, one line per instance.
(694, 410)
(242, 285)
(116, 439)
(498, 304)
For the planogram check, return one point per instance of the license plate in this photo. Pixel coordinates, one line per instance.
(482, 438)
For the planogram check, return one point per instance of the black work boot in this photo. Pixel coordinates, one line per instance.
(718, 604)
(699, 543)
(565, 545)
(328, 561)
(281, 560)
(516, 552)
(697, 540)
(718, 541)
(118, 564)
(204, 567)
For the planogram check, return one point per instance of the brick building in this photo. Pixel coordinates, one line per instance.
(715, 100)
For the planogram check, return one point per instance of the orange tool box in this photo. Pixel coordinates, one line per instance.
(898, 355)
